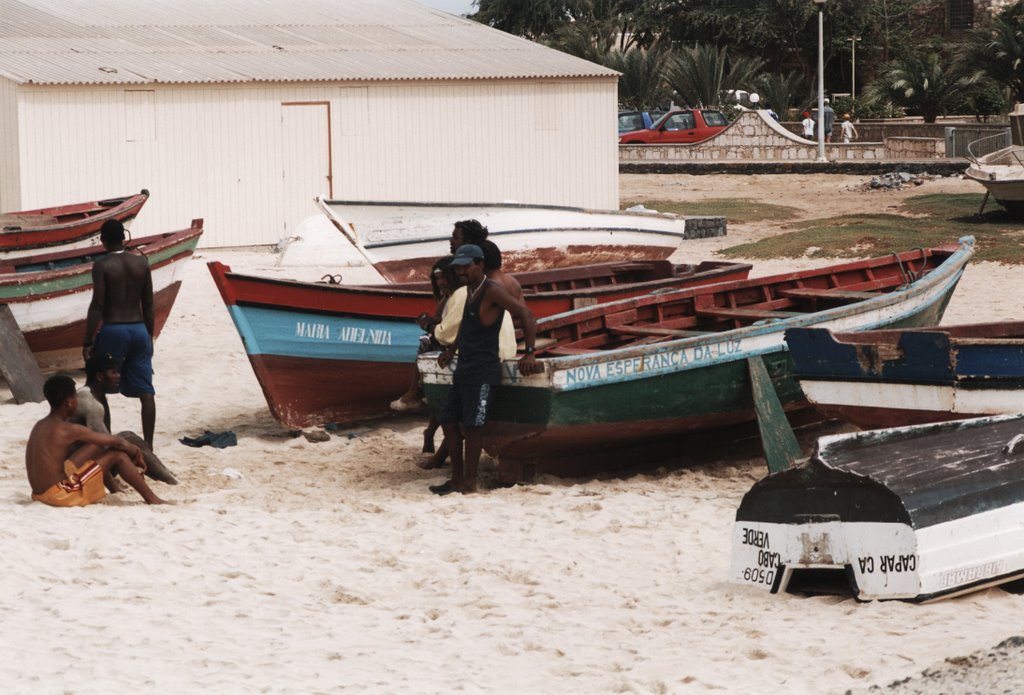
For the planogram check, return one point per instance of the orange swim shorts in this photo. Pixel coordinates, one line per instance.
(83, 486)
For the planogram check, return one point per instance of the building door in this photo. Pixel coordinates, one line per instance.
(306, 157)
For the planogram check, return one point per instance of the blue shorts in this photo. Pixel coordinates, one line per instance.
(130, 346)
(467, 404)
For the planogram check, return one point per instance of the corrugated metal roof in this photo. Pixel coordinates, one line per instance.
(183, 41)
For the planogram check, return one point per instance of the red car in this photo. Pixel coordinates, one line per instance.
(683, 125)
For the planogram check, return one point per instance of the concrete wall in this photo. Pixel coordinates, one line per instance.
(877, 132)
(10, 188)
(755, 136)
(250, 158)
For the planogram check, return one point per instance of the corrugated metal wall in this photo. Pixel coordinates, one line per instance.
(222, 152)
(10, 190)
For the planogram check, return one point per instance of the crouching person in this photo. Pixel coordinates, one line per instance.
(66, 462)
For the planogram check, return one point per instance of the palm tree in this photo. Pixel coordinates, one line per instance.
(642, 83)
(998, 51)
(699, 75)
(921, 83)
(780, 91)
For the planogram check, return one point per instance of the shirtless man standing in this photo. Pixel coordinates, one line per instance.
(478, 371)
(122, 298)
(62, 478)
(93, 411)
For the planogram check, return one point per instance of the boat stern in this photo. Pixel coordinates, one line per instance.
(825, 555)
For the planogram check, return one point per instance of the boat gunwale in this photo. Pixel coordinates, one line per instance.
(399, 292)
(499, 206)
(369, 245)
(955, 334)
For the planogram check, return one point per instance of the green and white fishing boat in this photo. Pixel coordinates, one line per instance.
(623, 381)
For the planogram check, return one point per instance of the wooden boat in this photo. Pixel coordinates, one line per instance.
(49, 294)
(63, 227)
(622, 381)
(906, 377)
(337, 353)
(920, 513)
(402, 240)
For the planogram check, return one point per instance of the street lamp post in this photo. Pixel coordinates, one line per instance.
(853, 40)
(820, 4)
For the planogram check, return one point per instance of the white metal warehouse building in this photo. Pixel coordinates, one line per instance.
(240, 111)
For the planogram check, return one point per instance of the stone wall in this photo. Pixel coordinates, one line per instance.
(916, 148)
(755, 136)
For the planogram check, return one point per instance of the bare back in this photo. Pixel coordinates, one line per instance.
(122, 286)
(49, 446)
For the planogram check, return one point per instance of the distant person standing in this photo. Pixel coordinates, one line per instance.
(122, 299)
(848, 129)
(808, 125)
(829, 118)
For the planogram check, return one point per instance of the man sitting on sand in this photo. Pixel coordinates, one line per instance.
(62, 476)
(102, 377)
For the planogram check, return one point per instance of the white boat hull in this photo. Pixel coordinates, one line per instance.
(402, 240)
(1002, 174)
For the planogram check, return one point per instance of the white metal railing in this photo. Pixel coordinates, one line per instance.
(989, 144)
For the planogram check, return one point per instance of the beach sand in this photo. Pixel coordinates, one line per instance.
(288, 566)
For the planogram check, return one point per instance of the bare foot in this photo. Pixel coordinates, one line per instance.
(153, 499)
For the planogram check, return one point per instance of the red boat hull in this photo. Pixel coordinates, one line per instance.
(60, 347)
(46, 227)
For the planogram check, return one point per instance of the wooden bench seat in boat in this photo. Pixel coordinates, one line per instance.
(567, 351)
(836, 294)
(655, 331)
(726, 312)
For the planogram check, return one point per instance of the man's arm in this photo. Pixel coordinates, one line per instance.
(148, 316)
(95, 313)
(93, 414)
(501, 297)
(86, 435)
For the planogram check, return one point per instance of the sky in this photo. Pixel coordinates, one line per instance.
(459, 7)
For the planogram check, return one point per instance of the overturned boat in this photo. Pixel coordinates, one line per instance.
(917, 513)
(403, 239)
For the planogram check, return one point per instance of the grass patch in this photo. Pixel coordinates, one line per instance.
(926, 220)
(734, 210)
